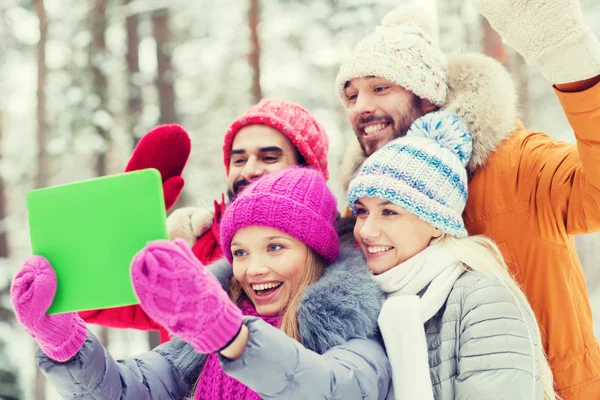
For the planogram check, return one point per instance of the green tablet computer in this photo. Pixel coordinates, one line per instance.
(90, 231)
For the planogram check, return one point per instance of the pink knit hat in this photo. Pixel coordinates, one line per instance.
(295, 201)
(293, 121)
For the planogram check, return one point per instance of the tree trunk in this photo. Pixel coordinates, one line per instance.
(9, 383)
(3, 209)
(492, 43)
(164, 82)
(43, 162)
(97, 57)
(134, 89)
(254, 56)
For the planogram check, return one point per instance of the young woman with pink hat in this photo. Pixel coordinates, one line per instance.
(298, 320)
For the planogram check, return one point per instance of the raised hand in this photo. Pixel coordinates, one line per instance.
(189, 223)
(166, 148)
(59, 336)
(549, 33)
(176, 290)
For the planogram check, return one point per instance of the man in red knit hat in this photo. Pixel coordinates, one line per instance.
(268, 137)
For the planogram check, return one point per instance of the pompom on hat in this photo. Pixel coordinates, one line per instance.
(423, 172)
(403, 50)
(295, 201)
(292, 120)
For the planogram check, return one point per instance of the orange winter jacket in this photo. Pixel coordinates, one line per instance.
(532, 196)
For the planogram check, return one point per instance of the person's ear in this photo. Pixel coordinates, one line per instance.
(427, 106)
(437, 233)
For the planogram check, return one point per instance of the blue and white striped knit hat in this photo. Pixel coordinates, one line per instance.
(423, 172)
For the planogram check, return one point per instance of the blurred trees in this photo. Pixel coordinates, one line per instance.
(82, 81)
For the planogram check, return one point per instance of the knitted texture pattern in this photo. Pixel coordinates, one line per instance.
(59, 336)
(296, 201)
(423, 172)
(214, 384)
(175, 290)
(166, 148)
(403, 52)
(292, 120)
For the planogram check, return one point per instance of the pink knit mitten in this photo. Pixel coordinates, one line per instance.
(59, 336)
(175, 290)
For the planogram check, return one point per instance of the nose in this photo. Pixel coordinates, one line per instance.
(252, 169)
(257, 267)
(363, 106)
(369, 230)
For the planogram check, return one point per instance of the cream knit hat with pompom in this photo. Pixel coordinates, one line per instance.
(402, 50)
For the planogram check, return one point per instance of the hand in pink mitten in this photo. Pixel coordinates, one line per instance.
(59, 336)
(175, 290)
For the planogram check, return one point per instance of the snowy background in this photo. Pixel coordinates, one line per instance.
(88, 100)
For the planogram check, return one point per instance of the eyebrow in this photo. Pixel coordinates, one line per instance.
(267, 149)
(380, 204)
(277, 237)
(366, 77)
(267, 239)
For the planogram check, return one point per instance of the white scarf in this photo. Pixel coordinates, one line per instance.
(406, 310)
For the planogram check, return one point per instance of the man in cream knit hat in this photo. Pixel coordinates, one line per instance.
(400, 58)
(527, 192)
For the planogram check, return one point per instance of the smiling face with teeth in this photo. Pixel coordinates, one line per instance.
(380, 111)
(388, 234)
(270, 266)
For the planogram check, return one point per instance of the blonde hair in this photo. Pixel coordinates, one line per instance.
(314, 267)
(480, 254)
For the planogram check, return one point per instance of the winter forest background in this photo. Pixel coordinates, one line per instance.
(82, 80)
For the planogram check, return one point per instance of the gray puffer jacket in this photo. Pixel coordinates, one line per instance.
(479, 346)
(341, 357)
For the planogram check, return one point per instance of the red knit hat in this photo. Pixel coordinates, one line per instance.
(293, 121)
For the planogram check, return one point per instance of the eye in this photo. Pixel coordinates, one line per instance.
(270, 159)
(380, 89)
(361, 212)
(274, 247)
(351, 97)
(239, 253)
(238, 161)
(387, 212)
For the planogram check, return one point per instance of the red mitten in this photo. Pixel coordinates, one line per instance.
(166, 148)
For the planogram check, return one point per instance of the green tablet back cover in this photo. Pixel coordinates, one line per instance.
(90, 231)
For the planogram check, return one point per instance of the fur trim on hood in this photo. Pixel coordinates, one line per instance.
(344, 304)
(482, 93)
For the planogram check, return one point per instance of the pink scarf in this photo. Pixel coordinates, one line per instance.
(215, 384)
